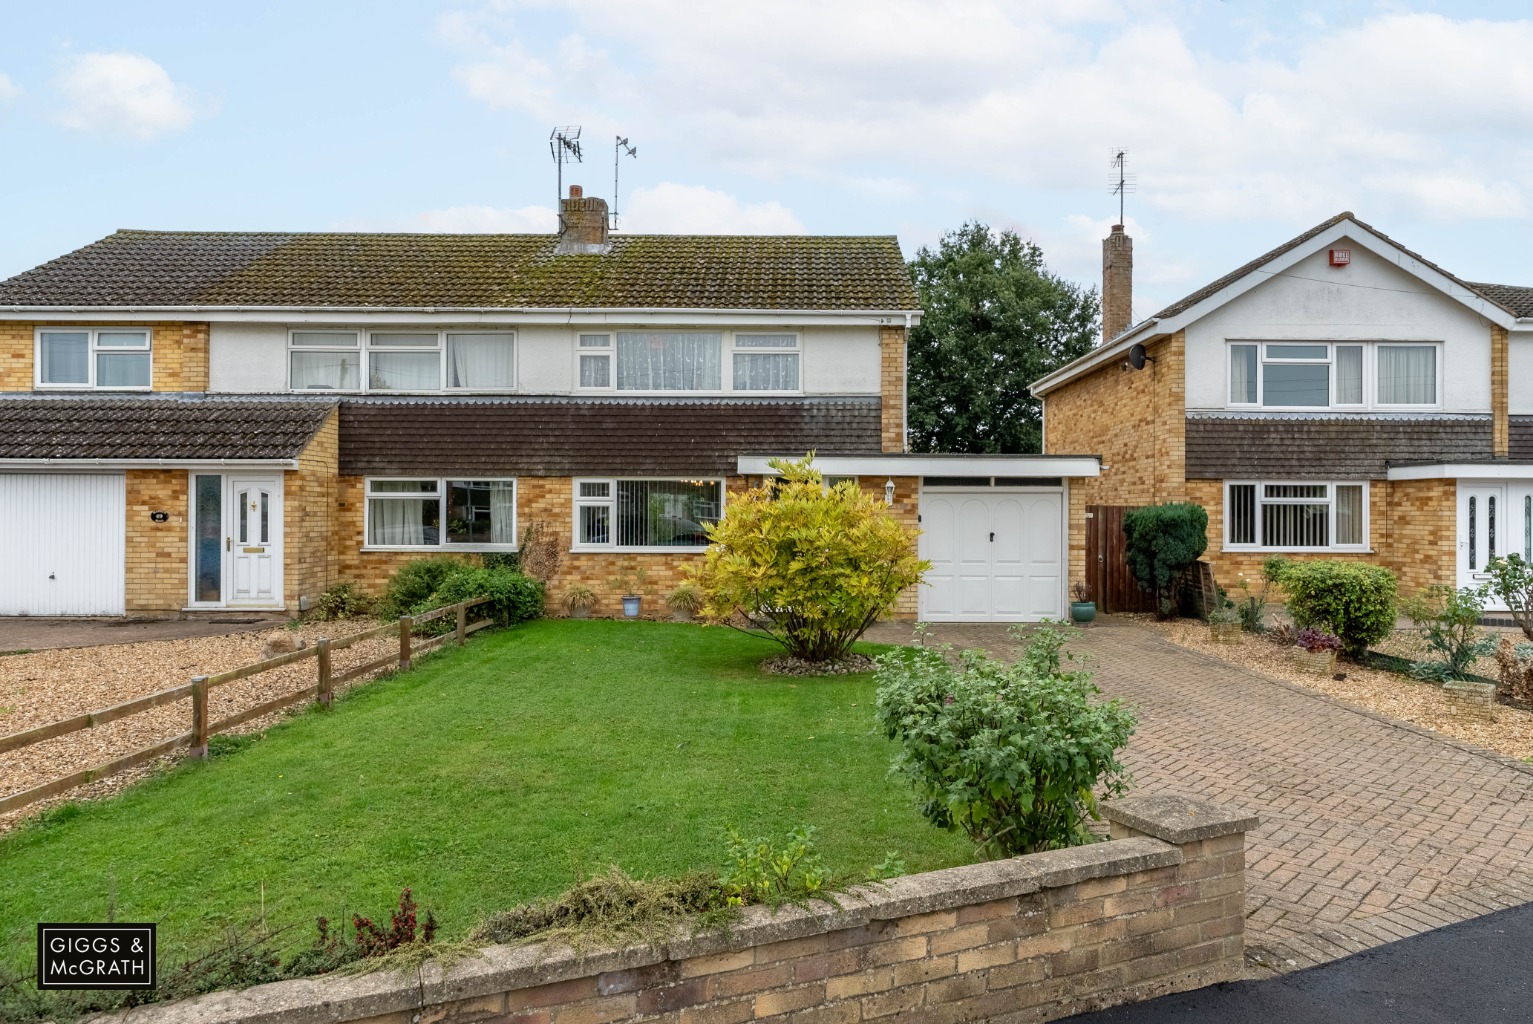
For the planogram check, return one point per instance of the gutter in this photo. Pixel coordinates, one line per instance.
(53, 463)
(880, 314)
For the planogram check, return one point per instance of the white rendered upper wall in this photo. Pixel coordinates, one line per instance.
(1367, 300)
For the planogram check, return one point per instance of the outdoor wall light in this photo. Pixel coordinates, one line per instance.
(889, 491)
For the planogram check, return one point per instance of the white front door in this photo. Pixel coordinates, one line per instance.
(1484, 529)
(997, 556)
(236, 546)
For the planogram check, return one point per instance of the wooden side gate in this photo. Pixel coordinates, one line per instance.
(1113, 586)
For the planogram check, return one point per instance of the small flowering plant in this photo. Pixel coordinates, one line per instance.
(1318, 641)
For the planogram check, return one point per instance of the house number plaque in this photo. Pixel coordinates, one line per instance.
(159, 517)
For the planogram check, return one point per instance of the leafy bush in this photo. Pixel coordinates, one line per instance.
(809, 566)
(1010, 754)
(1511, 580)
(413, 583)
(1449, 621)
(1162, 542)
(760, 871)
(1354, 600)
(1317, 641)
(1226, 616)
(513, 597)
(339, 602)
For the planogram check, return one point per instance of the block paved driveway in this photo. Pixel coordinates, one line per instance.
(1371, 830)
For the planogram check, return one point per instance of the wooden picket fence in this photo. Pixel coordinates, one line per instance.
(323, 690)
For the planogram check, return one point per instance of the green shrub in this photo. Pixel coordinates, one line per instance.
(1449, 621)
(414, 583)
(810, 567)
(1162, 542)
(339, 602)
(1354, 600)
(1011, 754)
(1511, 580)
(513, 597)
(761, 871)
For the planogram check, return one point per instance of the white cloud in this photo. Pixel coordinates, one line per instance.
(672, 209)
(123, 94)
(9, 90)
(1397, 114)
(469, 220)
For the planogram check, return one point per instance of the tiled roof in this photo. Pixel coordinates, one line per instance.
(156, 427)
(1521, 437)
(625, 437)
(1313, 447)
(205, 268)
(1514, 298)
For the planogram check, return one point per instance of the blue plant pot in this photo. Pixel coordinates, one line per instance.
(631, 607)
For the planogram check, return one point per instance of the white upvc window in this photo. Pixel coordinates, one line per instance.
(765, 362)
(594, 361)
(1344, 375)
(1296, 515)
(441, 513)
(110, 359)
(617, 514)
(402, 361)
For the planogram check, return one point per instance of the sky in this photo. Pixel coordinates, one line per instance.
(1245, 122)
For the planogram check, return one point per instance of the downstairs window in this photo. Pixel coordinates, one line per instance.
(1297, 516)
(466, 515)
(637, 515)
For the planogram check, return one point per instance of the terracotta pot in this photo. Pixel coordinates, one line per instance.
(1316, 663)
(1224, 632)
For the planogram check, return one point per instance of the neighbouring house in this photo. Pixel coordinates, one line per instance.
(1339, 396)
(193, 422)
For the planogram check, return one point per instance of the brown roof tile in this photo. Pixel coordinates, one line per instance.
(627, 437)
(204, 268)
(1312, 447)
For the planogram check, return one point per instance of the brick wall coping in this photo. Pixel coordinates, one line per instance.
(1177, 819)
(329, 999)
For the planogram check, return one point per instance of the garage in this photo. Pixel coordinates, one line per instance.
(997, 553)
(62, 549)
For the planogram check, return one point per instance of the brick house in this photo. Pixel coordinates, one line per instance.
(1339, 396)
(192, 422)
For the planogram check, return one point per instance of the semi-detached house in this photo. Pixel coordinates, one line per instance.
(1337, 397)
(203, 421)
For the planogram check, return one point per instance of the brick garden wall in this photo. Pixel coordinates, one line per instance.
(179, 360)
(1159, 909)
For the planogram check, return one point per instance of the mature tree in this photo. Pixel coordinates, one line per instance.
(994, 320)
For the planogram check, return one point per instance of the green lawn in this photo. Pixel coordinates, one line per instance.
(488, 776)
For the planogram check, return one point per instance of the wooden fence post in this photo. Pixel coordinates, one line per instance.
(326, 693)
(200, 717)
(404, 642)
(462, 623)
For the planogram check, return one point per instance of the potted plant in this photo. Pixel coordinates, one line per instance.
(1316, 653)
(685, 601)
(630, 587)
(1082, 608)
(579, 599)
(1224, 625)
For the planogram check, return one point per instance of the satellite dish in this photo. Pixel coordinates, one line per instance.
(1136, 356)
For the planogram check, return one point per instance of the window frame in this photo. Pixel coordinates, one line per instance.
(607, 351)
(443, 490)
(92, 350)
(728, 348)
(1370, 389)
(610, 502)
(1260, 499)
(797, 350)
(365, 348)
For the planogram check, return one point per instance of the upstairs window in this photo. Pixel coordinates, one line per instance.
(404, 362)
(595, 360)
(1296, 516)
(669, 361)
(407, 361)
(766, 362)
(111, 359)
(325, 361)
(1332, 375)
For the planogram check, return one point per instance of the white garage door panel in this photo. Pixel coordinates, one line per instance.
(61, 546)
(996, 557)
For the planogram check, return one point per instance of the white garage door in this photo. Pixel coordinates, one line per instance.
(61, 549)
(996, 556)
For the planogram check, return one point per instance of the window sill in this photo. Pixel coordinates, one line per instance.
(444, 549)
(578, 550)
(1232, 550)
(87, 388)
(1349, 410)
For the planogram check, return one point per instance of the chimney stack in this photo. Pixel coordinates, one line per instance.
(582, 224)
(1117, 283)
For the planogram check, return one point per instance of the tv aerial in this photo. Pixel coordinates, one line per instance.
(564, 146)
(618, 150)
(1122, 181)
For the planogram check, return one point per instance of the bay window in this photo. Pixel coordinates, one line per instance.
(77, 357)
(616, 514)
(468, 515)
(1296, 516)
(1332, 375)
(401, 361)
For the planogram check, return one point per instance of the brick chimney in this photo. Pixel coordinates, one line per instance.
(582, 224)
(1117, 283)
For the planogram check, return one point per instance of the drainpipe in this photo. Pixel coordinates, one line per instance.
(905, 389)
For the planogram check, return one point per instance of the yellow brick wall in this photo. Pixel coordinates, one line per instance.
(1136, 421)
(891, 345)
(156, 552)
(309, 516)
(179, 353)
(1501, 437)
